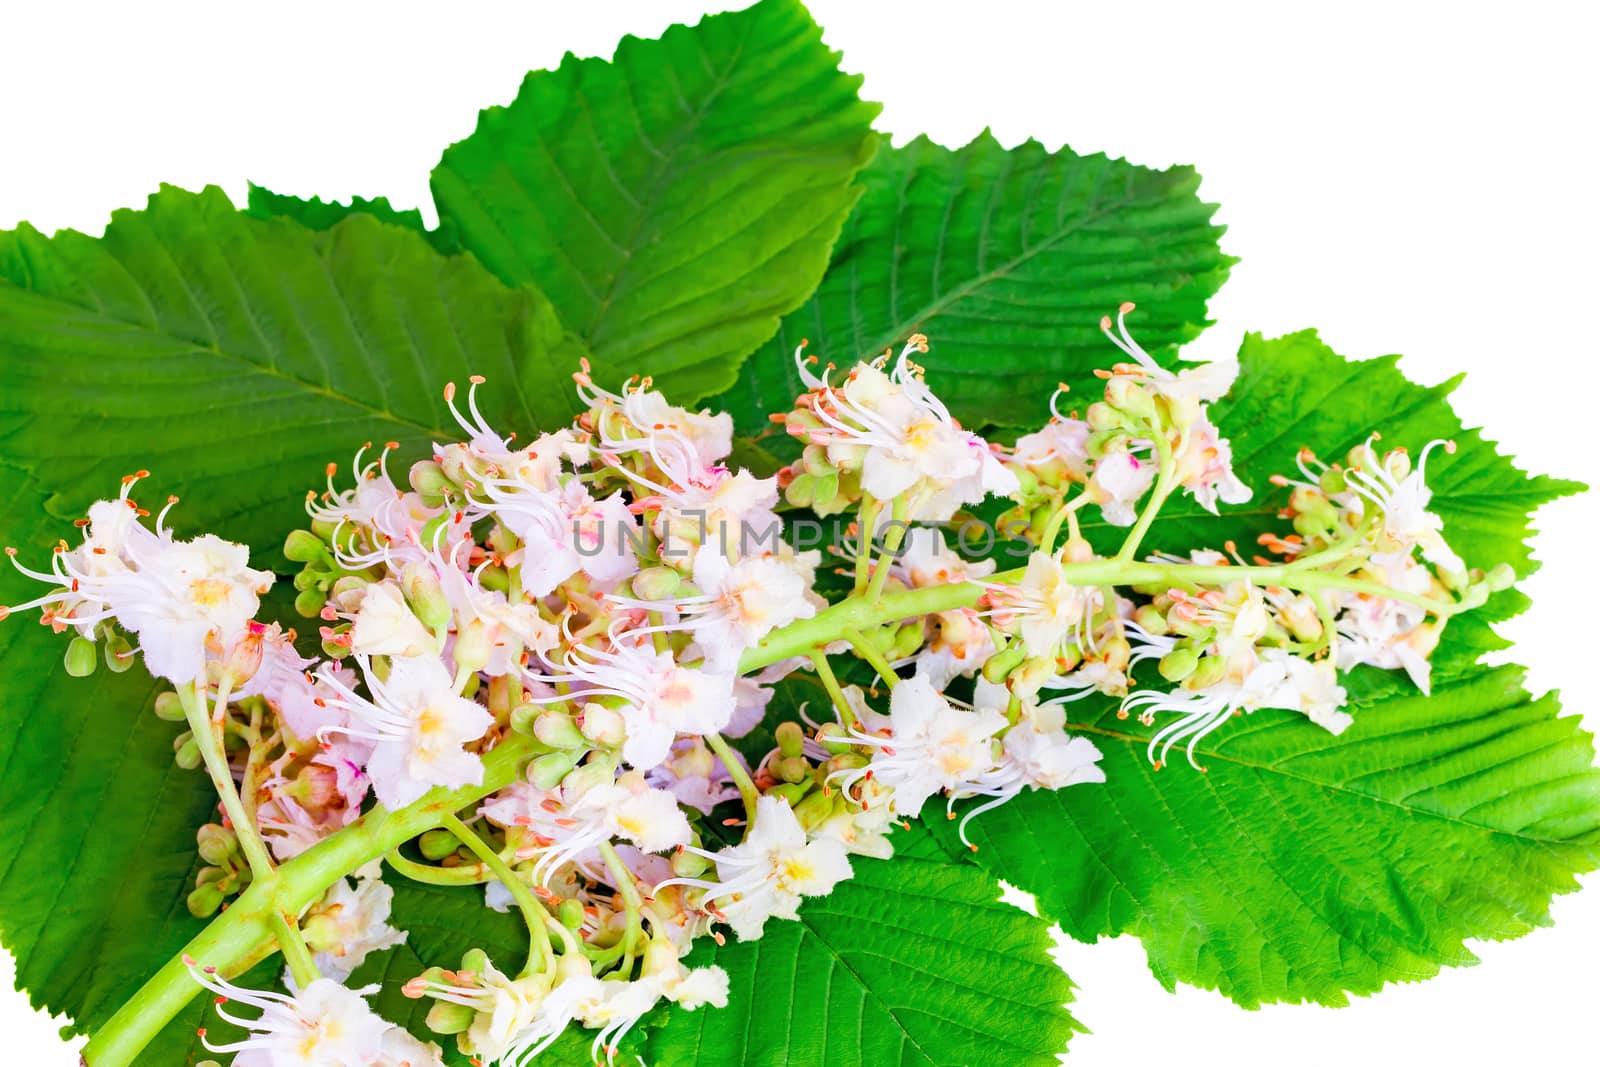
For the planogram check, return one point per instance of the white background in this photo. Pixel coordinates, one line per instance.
(1411, 178)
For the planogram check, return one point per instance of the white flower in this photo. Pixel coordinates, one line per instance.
(1403, 498)
(925, 560)
(903, 438)
(732, 510)
(323, 1025)
(349, 924)
(1200, 384)
(660, 699)
(1390, 634)
(1057, 452)
(508, 1009)
(767, 874)
(400, 1049)
(1045, 609)
(564, 825)
(417, 724)
(1119, 481)
(682, 444)
(1205, 467)
(932, 746)
(385, 625)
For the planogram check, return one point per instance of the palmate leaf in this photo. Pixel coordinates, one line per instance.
(911, 962)
(1303, 866)
(235, 357)
(1007, 260)
(674, 202)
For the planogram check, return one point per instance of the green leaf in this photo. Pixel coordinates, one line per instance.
(909, 962)
(1006, 260)
(319, 214)
(235, 357)
(96, 821)
(1304, 866)
(676, 201)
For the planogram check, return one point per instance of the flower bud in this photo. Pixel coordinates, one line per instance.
(186, 753)
(833, 738)
(430, 482)
(1001, 664)
(908, 637)
(472, 646)
(308, 603)
(792, 769)
(1115, 652)
(244, 658)
(1208, 672)
(474, 960)
(1500, 576)
(657, 583)
(119, 654)
(814, 810)
(216, 844)
(793, 792)
(601, 724)
(557, 730)
(523, 716)
(169, 708)
(447, 1018)
(204, 901)
(791, 739)
(437, 844)
(1131, 398)
(1333, 481)
(1178, 664)
(303, 546)
(686, 864)
(1151, 620)
(547, 771)
(1102, 418)
(83, 656)
(570, 912)
(425, 595)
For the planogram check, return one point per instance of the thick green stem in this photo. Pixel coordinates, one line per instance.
(533, 913)
(868, 652)
(893, 537)
(736, 771)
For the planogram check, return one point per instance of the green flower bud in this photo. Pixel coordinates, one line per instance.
(426, 596)
(570, 912)
(1151, 620)
(547, 770)
(303, 546)
(169, 708)
(908, 637)
(556, 729)
(791, 738)
(833, 738)
(1333, 481)
(309, 602)
(1500, 576)
(601, 724)
(657, 583)
(794, 769)
(793, 792)
(686, 864)
(1002, 663)
(119, 654)
(83, 656)
(472, 646)
(474, 960)
(1207, 672)
(815, 461)
(814, 810)
(1102, 418)
(185, 752)
(1178, 664)
(801, 492)
(447, 1018)
(437, 844)
(430, 482)
(216, 844)
(204, 901)
(1131, 398)
(496, 578)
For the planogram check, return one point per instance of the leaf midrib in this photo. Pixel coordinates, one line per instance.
(267, 370)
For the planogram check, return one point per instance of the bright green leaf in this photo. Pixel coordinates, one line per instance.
(235, 357)
(1006, 260)
(675, 201)
(910, 962)
(1304, 866)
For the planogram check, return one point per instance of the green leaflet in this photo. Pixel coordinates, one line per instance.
(674, 202)
(910, 962)
(96, 821)
(236, 357)
(1006, 260)
(1304, 866)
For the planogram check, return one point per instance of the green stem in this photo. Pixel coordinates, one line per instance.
(428, 874)
(632, 903)
(208, 740)
(892, 539)
(533, 913)
(867, 521)
(295, 953)
(847, 714)
(866, 651)
(1152, 508)
(736, 771)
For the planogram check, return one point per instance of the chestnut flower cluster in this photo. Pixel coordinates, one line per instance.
(608, 606)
